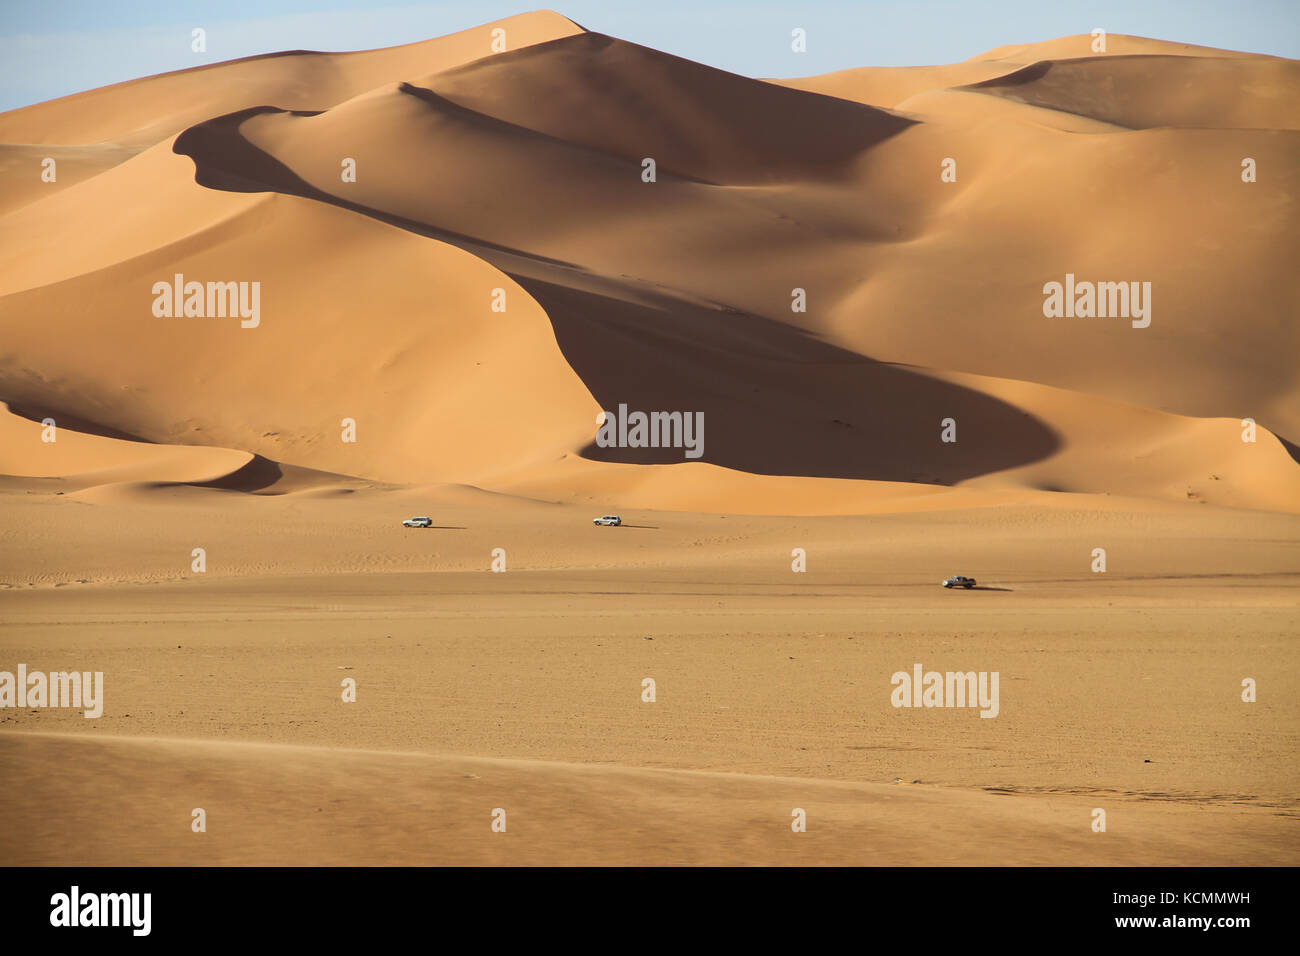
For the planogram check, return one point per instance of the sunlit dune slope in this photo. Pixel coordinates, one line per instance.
(39, 450)
(357, 320)
(890, 86)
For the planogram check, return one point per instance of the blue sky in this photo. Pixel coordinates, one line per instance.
(50, 48)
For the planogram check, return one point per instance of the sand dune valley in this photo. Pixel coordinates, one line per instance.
(269, 308)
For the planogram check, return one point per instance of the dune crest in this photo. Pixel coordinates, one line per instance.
(146, 111)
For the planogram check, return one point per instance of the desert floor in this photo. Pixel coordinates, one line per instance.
(522, 690)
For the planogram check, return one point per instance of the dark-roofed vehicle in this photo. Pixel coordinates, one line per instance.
(959, 581)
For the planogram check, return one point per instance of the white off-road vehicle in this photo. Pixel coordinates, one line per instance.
(420, 522)
(612, 520)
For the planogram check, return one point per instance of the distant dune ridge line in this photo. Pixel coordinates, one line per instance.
(469, 254)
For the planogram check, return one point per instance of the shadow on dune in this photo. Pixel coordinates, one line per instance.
(1026, 74)
(776, 400)
(257, 474)
(73, 423)
(1292, 449)
(224, 160)
(698, 122)
(442, 104)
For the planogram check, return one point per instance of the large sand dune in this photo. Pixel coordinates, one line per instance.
(498, 272)
(676, 294)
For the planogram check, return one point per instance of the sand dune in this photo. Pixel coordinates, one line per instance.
(676, 294)
(21, 169)
(436, 335)
(614, 303)
(1141, 92)
(1117, 44)
(404, 347)
(890, 86)
(590, 90)
(84, 459)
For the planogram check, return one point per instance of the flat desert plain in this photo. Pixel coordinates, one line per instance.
(205, 506)
(522, 690)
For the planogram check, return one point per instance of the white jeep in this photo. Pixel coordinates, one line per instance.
(420, 522)
(613, 520)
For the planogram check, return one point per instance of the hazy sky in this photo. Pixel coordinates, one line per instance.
(49, 48)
